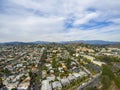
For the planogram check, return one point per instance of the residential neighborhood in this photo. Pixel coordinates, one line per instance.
(52, 66)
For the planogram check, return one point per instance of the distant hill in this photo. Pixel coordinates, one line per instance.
(114, 46)
(93, 42)
(40, 42)
(16, 42)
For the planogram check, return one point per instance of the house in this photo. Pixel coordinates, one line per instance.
(24, 84)
(46, 85)
(82, 73)
(56, 85)
(75, 69)
(49, 66)
(51, 78)
(71, 78)
(44, 73)
(60, 69)
(65, 81)
(77, 75)
(64, 66)
(11, 86)
(51, 71)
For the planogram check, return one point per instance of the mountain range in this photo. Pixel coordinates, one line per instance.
(93, 42)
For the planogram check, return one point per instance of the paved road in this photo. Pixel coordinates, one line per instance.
(36, 85)
(91, 83)
(15, 60)
(40, 65)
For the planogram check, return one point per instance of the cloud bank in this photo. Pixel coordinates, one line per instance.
(59, 20)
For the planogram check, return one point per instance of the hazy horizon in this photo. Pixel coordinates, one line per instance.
(62, 41)
(59, 20)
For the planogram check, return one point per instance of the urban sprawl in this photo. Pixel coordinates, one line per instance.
(74, 66)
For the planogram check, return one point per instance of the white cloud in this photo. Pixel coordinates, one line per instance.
(31, 20)
(85, 19)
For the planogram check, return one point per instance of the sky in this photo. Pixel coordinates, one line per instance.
(59, 20)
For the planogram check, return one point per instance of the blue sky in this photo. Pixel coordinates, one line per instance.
(59, 20)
